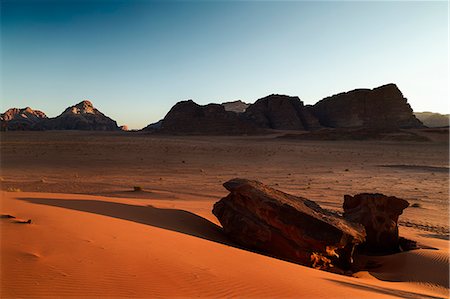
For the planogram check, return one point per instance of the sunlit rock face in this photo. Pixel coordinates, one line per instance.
(84, 107)
(20, 119)
(82, 116)
(235, 106)
(381, 107)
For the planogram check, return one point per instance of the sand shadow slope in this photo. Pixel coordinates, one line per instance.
(384, 291)
(171, 219)
(402, 267)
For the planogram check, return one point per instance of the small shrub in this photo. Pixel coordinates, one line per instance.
(137, 188)
(416, 205)
(11, 189)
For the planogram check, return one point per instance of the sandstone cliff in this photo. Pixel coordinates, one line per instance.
(187, 117)
(381, 107)
(281, 112)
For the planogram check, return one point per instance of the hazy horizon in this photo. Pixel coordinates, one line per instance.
(135, 59)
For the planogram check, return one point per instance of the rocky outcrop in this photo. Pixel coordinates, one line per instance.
(235, 106)
(82, 116)
(281, 112)
(433, 120)
(20, 119)
(187, 117)
(381, 107)
(292, 228)
(379, 216)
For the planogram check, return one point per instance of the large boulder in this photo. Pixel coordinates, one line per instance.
(20, 119)
(381, 107)
(188, 117)
(82, 116)
(379, 216)
(293, 228)
(281, 112)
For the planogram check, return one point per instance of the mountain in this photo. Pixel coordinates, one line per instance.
(82, 116)
(381, 107)
(235, 106)
(433, 120)
(20, 119)
(281, 112)
(188, 117)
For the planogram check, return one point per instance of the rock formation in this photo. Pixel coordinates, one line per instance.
(187, 117)
(20, 119)
(82, 116)
(289, 227)
(281, 112)
(379, 215)
(433, 120)
(381, 107)
(235, 106)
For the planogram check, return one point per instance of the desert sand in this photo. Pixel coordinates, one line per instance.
(91, 235)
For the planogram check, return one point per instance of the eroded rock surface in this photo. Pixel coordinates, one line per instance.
(379, 215)
(188, 117)
(381, 107)
(281, 112)
(289, 227)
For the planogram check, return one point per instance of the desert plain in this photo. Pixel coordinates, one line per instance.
(128, 214)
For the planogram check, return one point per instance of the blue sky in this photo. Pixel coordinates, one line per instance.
(136, 59)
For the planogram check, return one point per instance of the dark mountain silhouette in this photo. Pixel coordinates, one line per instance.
(381, 107)
(188, 117)
(281, 112)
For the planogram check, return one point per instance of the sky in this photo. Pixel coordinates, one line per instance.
(135, 59)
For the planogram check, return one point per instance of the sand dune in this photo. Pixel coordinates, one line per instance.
(92, 236)
(92, 246)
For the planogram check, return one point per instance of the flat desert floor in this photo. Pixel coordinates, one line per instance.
(91, 235)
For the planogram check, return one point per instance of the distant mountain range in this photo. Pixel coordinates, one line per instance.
(433, 120)
(82, 116)
(381, 107)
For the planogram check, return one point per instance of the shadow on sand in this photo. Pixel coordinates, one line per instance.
(183, 222)
(384, 291)
(171, 219)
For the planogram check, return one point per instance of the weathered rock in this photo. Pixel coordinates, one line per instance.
(82, 116)
(20, 119)
(379, 215)
(289, 227)
(235, 106)
(381, 107)
(281, 112)
(187, 117)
